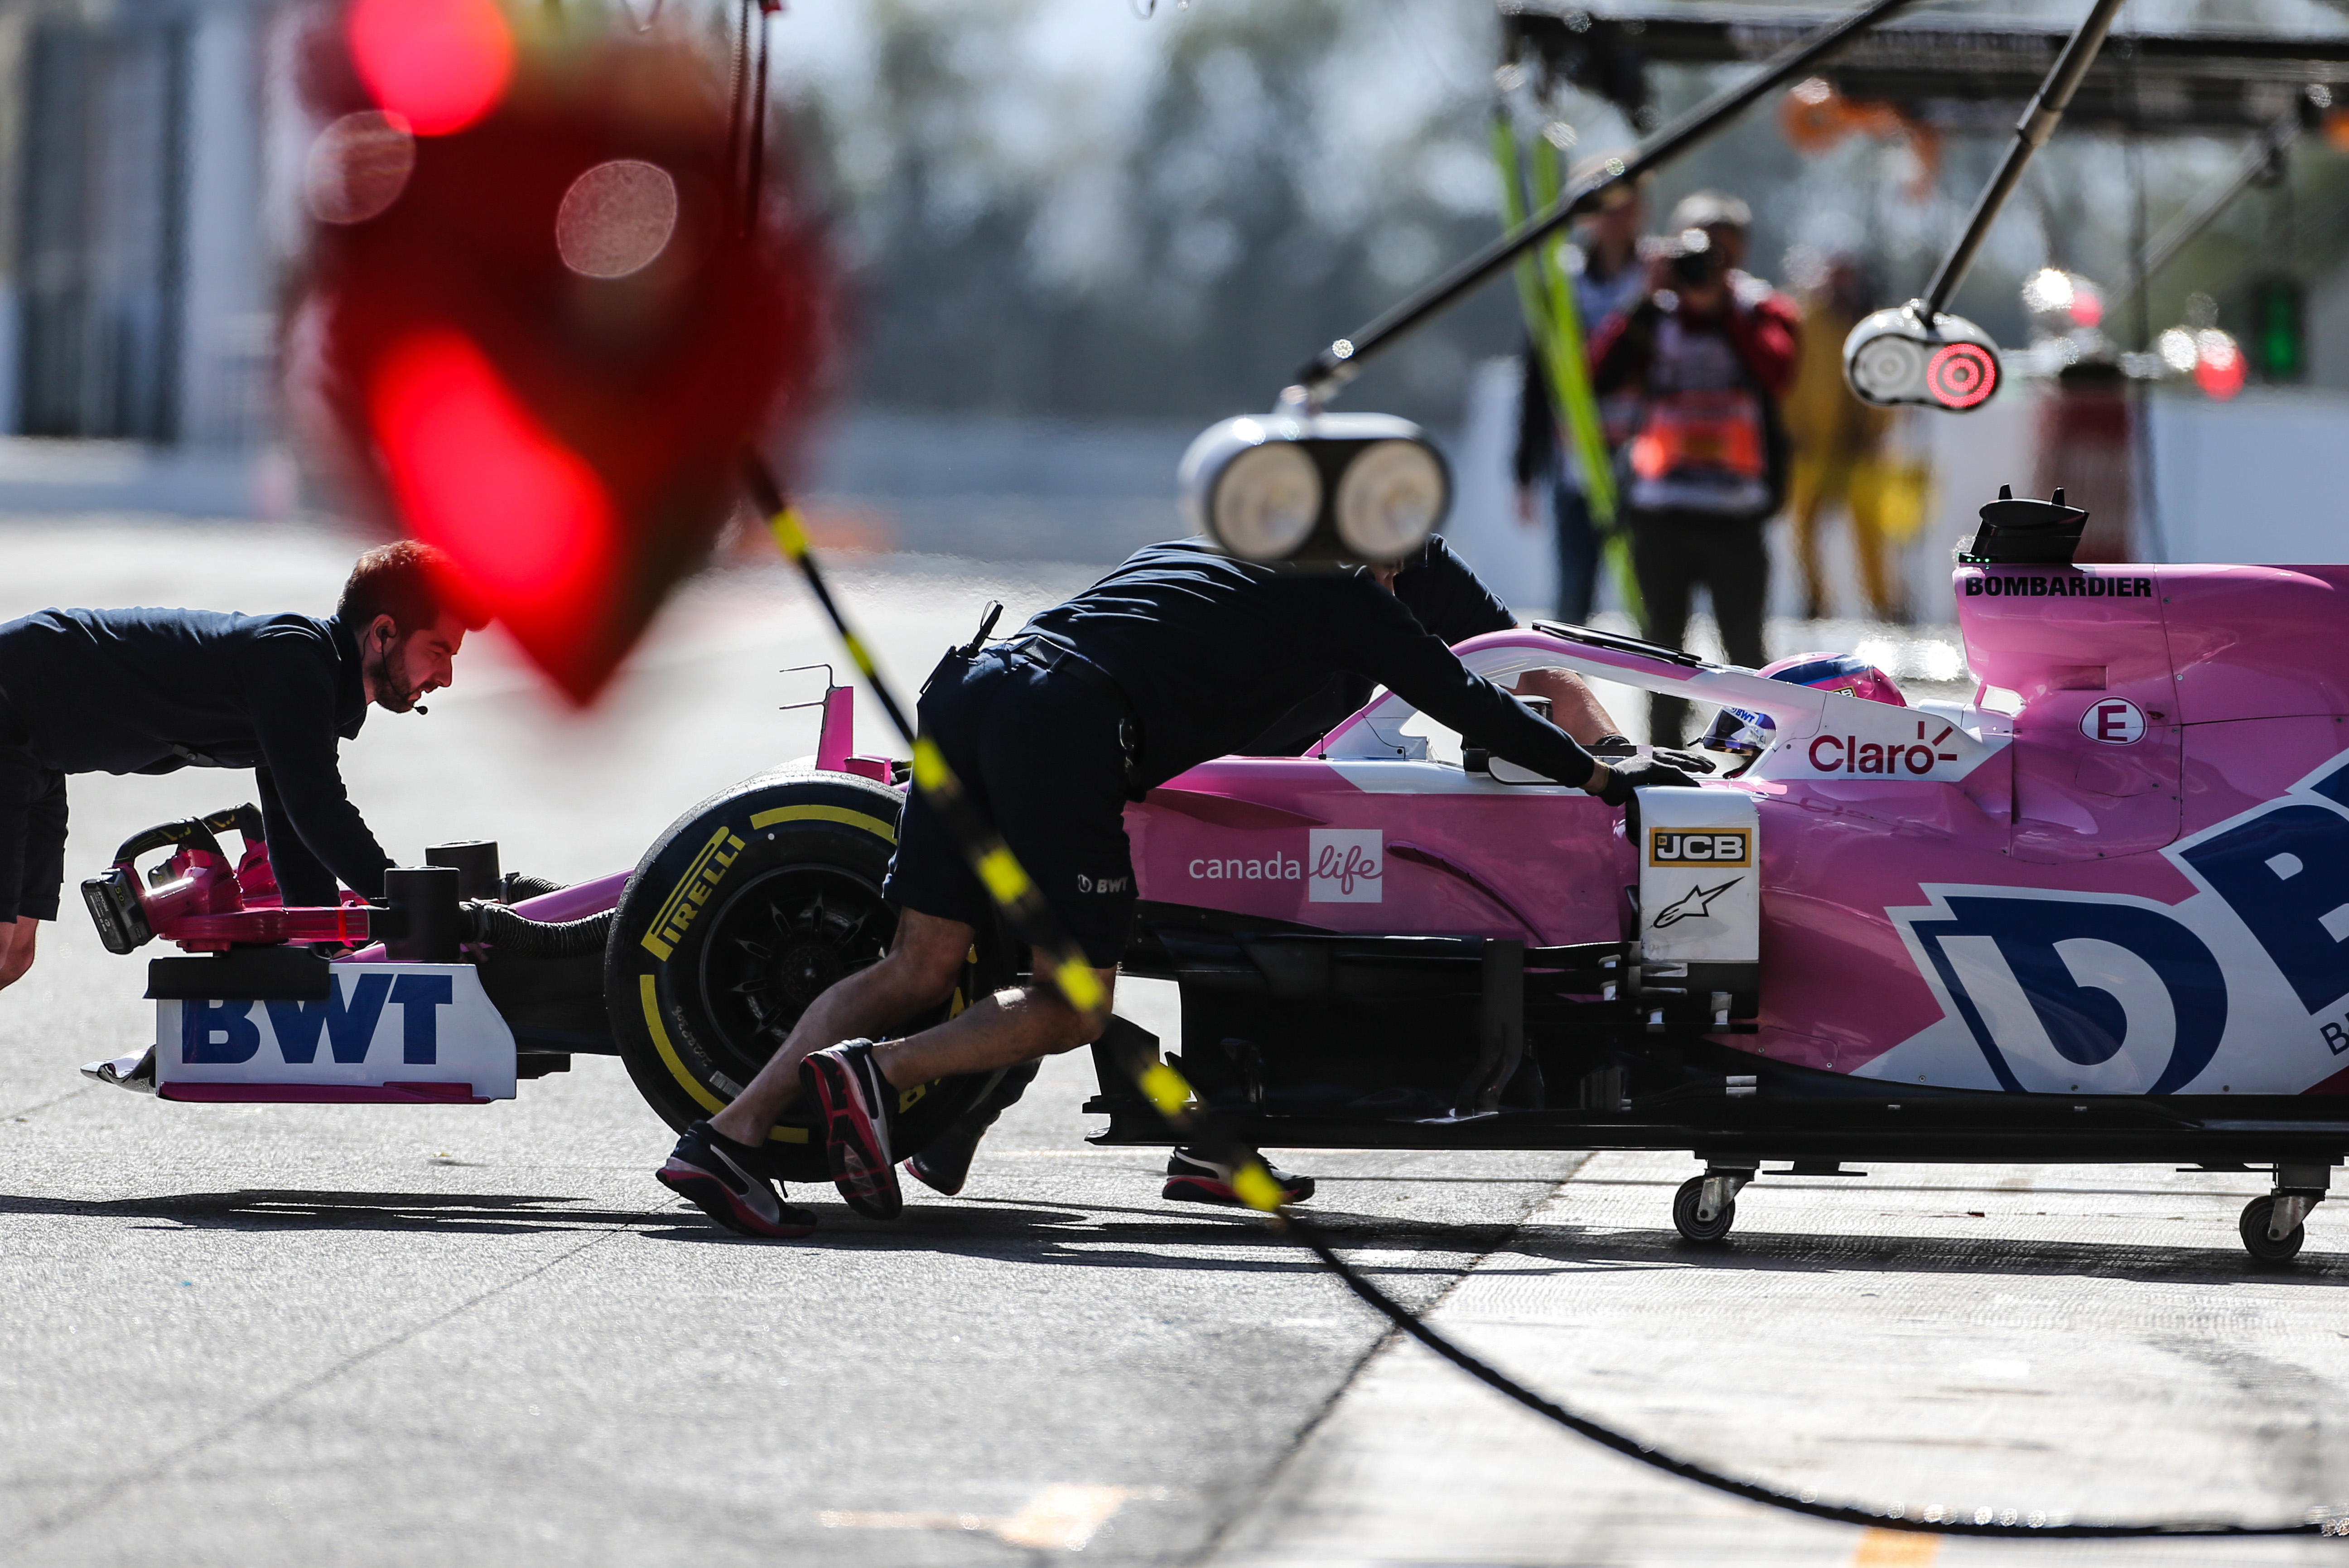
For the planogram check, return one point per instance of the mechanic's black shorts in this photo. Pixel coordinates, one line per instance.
(1039, 754)
(32, 835)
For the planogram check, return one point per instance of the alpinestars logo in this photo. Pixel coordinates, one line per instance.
(1694, 904)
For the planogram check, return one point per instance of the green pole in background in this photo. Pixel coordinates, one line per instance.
(1546, 293)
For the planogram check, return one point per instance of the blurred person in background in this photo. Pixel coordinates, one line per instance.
(1839, 456)
(1706, 354)
(1610, 280)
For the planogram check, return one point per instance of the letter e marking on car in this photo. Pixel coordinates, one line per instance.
(2114, 722)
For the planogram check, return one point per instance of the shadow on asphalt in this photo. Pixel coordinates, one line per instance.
(255, 1209)
(1058, 1233)
(1782, 1252)
(1092, 1236)
(1099, 1236)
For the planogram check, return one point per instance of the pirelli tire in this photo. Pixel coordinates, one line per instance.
(739, 916)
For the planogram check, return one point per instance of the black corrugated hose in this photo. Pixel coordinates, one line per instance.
(521, 937)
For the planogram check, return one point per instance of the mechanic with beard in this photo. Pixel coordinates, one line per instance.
(154, 691)
(1181, 655)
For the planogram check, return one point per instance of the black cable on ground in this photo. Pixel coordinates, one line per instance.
(1995, 1524)
(1058, 963)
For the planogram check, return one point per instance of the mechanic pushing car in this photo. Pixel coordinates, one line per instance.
(154, 691)
(1449, 599)
(1180, 655)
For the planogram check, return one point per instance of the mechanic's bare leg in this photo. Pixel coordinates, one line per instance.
(919, 970)
(1011, 1026)
(1572, 707)
(17, 939)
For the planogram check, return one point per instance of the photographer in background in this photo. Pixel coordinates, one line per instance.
(1708, 354)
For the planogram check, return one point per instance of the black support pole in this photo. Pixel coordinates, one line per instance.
(2031, 133)
(1337, 364)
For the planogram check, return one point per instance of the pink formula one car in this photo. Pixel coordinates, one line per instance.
(2099, 914)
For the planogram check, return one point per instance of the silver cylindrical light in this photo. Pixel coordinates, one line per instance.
(1389, 499)
(1265, 502)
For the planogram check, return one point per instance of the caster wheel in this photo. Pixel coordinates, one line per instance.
(1705, 1232)
(2253, 1227)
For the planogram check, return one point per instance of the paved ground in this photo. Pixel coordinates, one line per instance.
(458, 1336)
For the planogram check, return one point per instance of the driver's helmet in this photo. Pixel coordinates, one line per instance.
(1741, 734)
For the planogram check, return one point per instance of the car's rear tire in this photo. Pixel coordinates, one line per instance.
(738, 917)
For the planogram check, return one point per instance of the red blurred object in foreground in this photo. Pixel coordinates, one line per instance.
(525, 519)
(439, 64)
(542, 341)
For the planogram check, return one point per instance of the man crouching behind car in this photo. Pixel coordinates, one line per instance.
(155, 690)
(1181, 655)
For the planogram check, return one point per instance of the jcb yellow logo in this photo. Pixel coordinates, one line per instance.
(1671, 846)
(692, 891)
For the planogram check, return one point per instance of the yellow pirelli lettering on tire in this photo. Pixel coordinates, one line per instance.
(839, 813)
(650, 995)
(692, 890)
(694, 1086)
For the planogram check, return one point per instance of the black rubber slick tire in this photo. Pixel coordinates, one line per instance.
(744, 910)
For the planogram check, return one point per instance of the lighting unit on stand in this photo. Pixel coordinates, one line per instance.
(1310, 489)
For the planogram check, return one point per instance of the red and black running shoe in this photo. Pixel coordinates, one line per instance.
(727, 1181)
(1192, 1178)
(854, 1099)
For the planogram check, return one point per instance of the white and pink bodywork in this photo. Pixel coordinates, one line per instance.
(2123, 868)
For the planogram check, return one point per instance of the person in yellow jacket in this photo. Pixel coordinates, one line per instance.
(1840, 457)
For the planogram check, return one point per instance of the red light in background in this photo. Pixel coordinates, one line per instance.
(1960, 375)
(2218, 364)
(2088, 305)
(439, 64)
(525, 519)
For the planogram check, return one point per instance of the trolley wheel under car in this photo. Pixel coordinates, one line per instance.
(1704, 1232)
(744, 911)
(2253, 1227)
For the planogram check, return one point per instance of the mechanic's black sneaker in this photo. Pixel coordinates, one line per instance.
(848, 1087)
(1191, 1177)
(727, 1181)
(944, 1163)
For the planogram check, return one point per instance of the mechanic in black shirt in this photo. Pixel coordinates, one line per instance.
(1447, 597)
(154, 691)
(1180, 655)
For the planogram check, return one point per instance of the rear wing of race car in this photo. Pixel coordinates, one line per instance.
(1819, 734)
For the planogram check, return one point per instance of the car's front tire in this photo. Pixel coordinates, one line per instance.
(745, 910)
